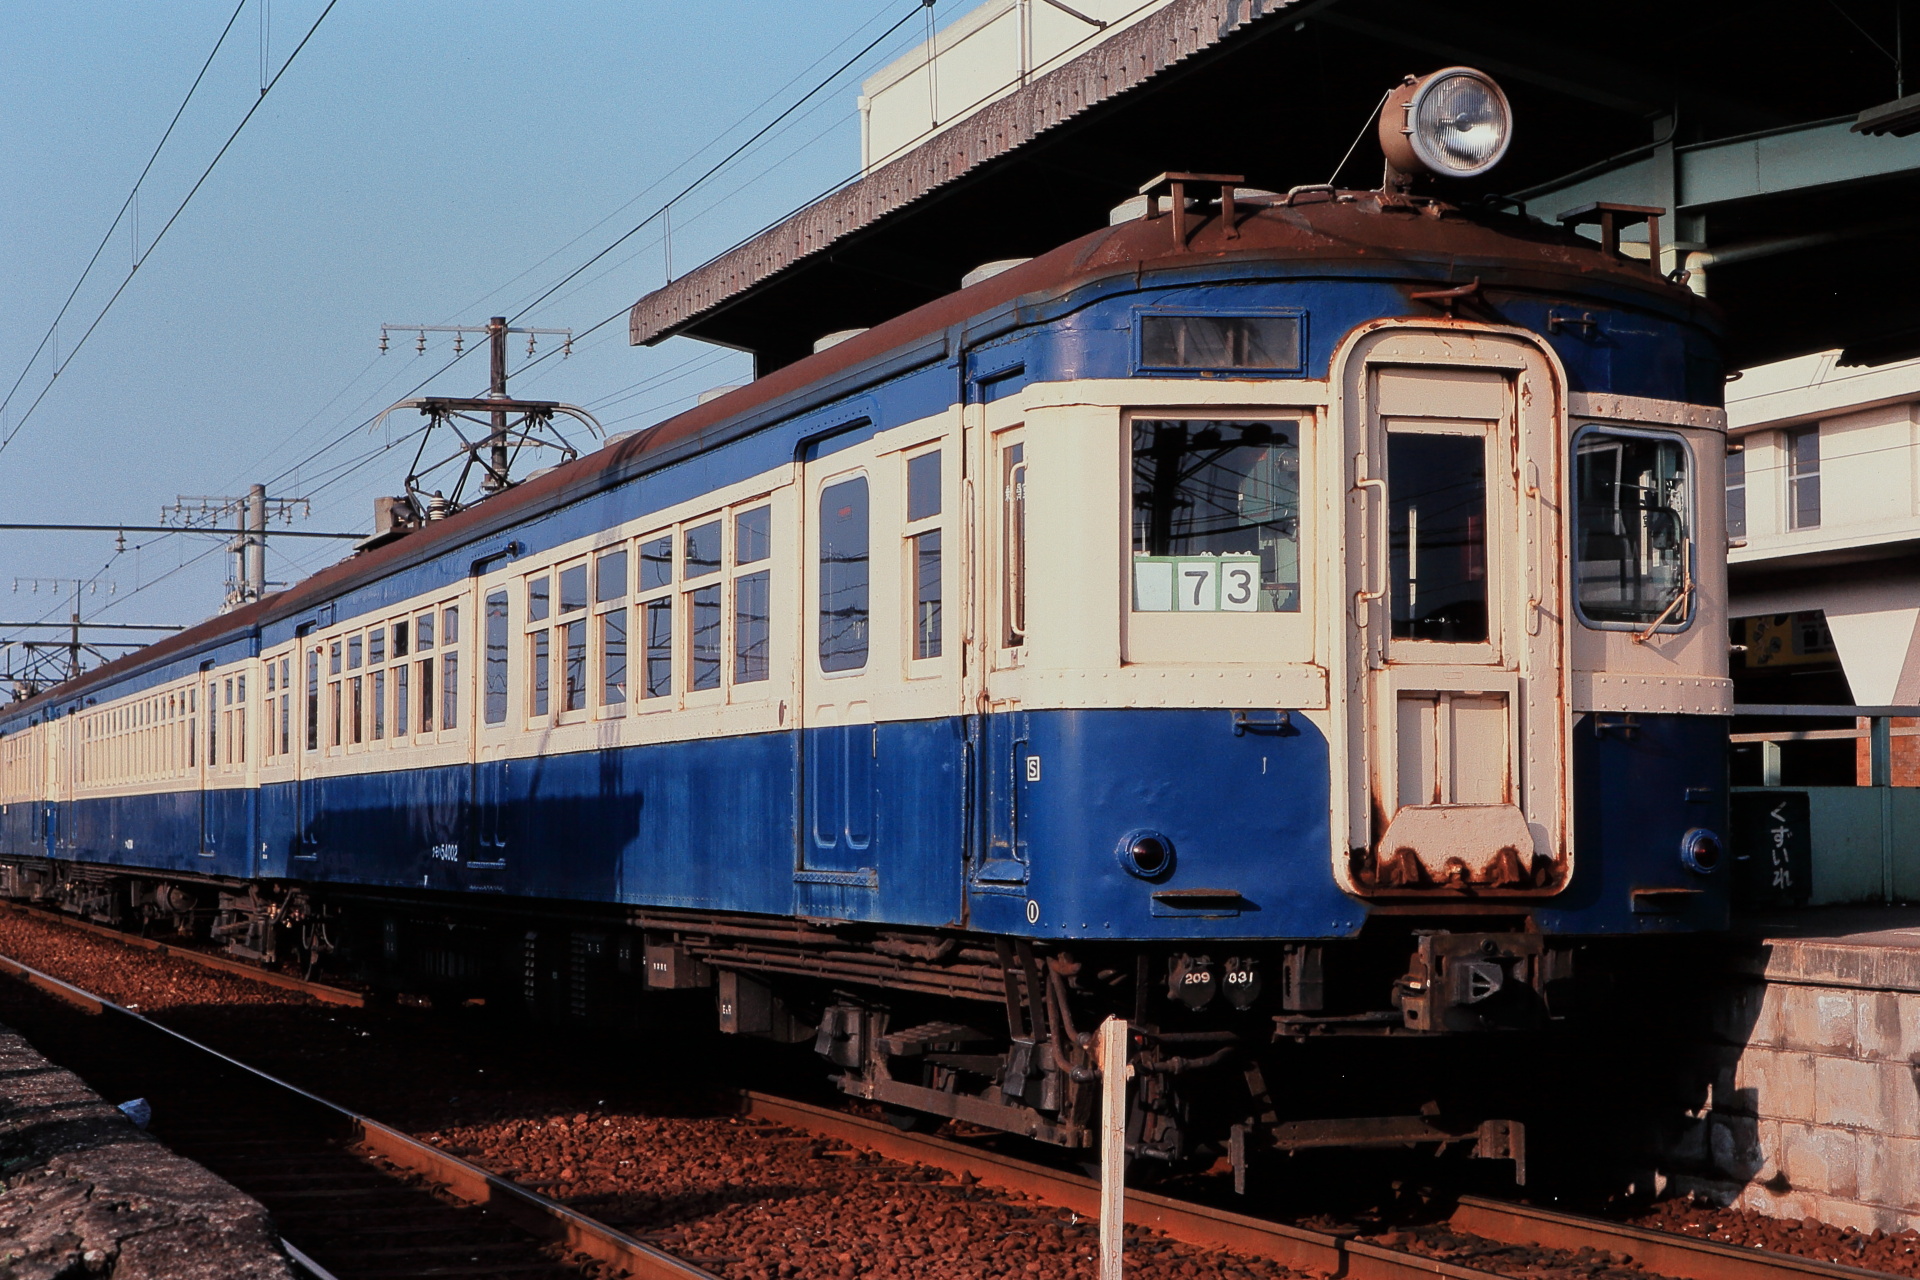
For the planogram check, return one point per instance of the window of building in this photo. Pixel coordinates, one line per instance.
(1803, 478)
(843, 575)
(1736, 492)
(1632, 517)
(1216, 516)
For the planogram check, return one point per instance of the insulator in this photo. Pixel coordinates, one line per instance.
(420, 347)
(120, 542)
(457, 336)
(566, 349)
(529, 344)
(383, 342)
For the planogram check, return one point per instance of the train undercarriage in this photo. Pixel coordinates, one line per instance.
(1238, 1052)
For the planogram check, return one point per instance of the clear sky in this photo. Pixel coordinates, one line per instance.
(424, 162)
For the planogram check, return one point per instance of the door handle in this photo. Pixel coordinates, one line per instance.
(1373, 550)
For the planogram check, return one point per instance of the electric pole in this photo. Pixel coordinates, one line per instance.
(250, 513)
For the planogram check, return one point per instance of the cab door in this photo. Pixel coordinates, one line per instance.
(1458, 717)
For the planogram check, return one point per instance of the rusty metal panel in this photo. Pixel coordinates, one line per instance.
(1107, 70)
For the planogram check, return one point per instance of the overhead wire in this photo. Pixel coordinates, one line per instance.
(132, 193)
(166, 227)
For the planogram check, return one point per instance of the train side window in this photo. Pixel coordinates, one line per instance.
(400, 638)
(703, 640)
(286, 707)
(575, 634)
(376, 646)
(538, 599)
(423, 631)
(613, 658)
(1216, 516)
(402, 723)
(313, 704)
(573, 588)
(379, 707)
(540, 662)
(843, 575)
(353, 653)
(752, 600)
(496, 668)
(1013, 544)
(1633, 528)
(923, 552)
(659, 640)
(656, 562)
(450, 667)
(333, 715)
(702, 550)
(610, 576)
(425, 668)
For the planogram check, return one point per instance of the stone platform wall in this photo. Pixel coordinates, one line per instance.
(85, 1193)
(1813, 1101)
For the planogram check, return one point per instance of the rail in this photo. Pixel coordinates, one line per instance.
(1204, 1226)
(535, 1214)
(318, 990)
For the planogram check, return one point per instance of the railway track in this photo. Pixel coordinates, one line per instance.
(362, 1200)
(367, 1200)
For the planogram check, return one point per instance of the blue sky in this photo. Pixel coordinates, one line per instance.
(425, 162)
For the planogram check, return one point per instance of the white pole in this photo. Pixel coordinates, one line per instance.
(1114, 1070)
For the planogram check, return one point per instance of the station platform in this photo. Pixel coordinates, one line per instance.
(1811, 1067)
(88, 1193)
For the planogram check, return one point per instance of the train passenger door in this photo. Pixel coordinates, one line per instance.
(839, 663)
(1458, 718)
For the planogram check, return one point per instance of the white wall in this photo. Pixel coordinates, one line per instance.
(984, 54)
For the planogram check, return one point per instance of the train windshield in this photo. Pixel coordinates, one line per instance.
(1633, 500)
(1216, 516)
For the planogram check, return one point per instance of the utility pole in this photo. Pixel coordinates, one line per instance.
(250, 513)
(73, 645)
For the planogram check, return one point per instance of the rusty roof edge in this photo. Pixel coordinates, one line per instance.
(1110, 68)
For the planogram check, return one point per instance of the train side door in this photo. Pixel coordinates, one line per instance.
(1458, 720)
(839, 661)
(210, 740)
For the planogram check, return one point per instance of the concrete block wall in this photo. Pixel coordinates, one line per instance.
(1813, 1069)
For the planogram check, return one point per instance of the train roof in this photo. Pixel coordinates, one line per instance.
(1415, 241)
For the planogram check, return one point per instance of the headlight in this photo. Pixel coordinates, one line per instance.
(1454, 123)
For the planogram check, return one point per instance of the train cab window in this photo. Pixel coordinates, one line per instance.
(1437, 535)
(495, 710)
(1216, 516)
(1632, 518)
(1219, 342)
(923, 551)
(843, 575)
(334, 657)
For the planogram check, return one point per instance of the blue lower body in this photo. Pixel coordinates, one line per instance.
(1009, 824)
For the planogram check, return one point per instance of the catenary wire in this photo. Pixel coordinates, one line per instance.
(166, 227)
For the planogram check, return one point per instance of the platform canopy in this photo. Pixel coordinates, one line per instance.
(1738, 117)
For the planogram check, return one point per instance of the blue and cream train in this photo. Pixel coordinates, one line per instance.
(1263, 619)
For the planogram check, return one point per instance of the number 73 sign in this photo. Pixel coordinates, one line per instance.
(1196, 584)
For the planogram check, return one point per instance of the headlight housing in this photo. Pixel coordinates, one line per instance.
(1452, 123)
(1700, 851)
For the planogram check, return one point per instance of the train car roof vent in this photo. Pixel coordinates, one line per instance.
(988, 270)
(835, 338)
(714, 393)
(618, 437)
(1134, 209)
